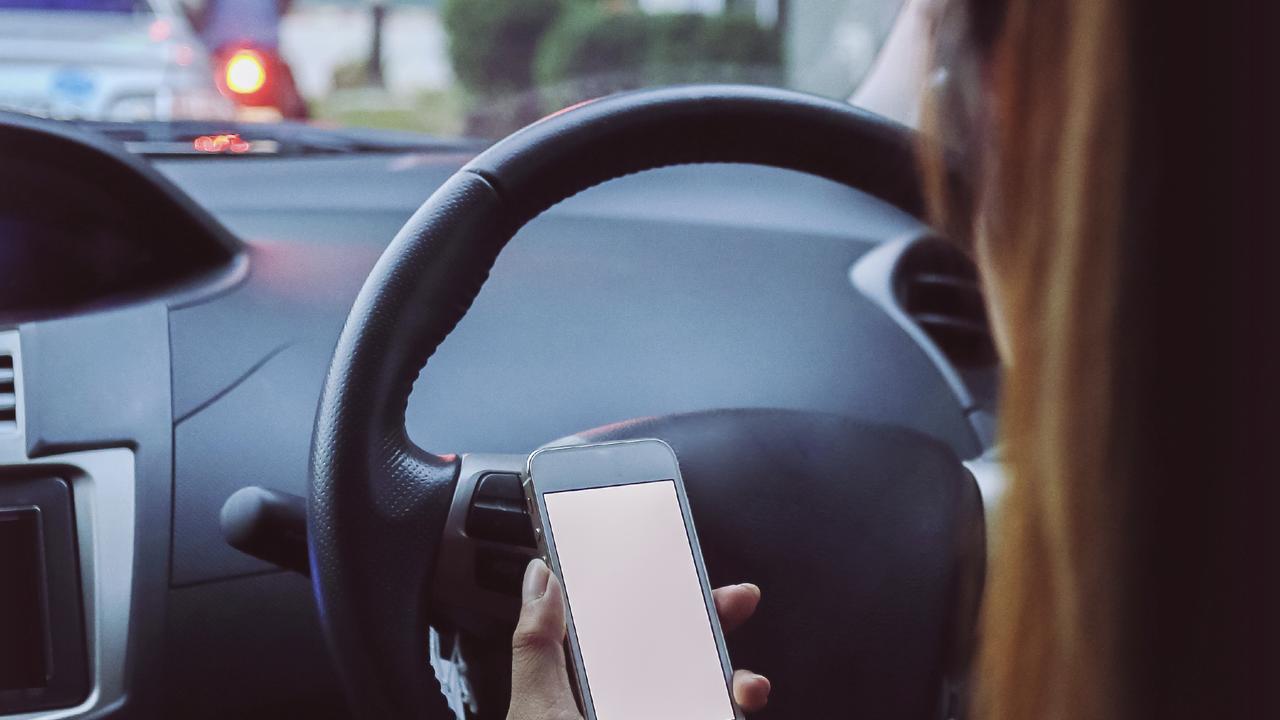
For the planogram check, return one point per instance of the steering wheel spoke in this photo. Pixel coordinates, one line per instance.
(483, 552)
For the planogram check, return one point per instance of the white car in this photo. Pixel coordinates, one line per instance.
(105, 60)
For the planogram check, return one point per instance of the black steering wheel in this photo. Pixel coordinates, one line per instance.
(867, 540)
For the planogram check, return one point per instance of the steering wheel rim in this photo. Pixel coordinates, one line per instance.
(378, 503)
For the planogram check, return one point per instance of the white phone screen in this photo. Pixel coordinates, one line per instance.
(642, 624)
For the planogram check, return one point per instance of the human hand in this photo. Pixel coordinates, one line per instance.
(539, 679)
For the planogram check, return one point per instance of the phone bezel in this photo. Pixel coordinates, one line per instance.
(599, 465)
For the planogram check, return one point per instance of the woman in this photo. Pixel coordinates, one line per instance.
(1112, 591)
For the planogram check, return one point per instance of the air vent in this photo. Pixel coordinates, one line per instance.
(8, 395)
(937, 286)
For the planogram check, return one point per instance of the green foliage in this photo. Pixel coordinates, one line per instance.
(688, 47)
(678, 40)
(520, 58)
(436, 112)
(492, 42)
(590, 41)
(738, 40)
(351, 74)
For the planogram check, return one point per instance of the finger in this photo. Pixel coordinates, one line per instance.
(539, 680)
(735, 603)
(750, 691)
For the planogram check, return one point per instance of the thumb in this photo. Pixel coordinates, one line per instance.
(539, 681)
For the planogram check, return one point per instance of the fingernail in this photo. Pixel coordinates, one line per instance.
(535, 580)
(768, 686)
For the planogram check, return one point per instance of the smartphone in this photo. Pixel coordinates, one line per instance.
(612, 522)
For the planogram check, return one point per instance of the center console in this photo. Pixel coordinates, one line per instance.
(43, 660)
(66, 568)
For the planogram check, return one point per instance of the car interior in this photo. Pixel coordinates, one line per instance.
(262, 421)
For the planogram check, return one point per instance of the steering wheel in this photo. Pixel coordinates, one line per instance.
(867, 540)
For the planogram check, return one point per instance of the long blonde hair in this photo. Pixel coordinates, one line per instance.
(1045, 222)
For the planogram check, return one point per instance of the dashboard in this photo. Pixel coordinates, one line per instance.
(675, 290)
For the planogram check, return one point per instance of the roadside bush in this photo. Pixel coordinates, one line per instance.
(593, 50)
(590, 41)
(492, 42)
(351, 74)
(678, 41)
(738, 40)
(518, 59)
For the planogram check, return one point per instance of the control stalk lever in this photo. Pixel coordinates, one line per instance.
(269, 525)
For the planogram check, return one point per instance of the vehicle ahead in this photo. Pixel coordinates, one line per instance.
(259, 81)
(116, 60)
(244, 38)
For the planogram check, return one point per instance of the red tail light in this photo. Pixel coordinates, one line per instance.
(245, 72)
(258, 80)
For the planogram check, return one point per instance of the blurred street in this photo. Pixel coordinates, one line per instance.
(825, 49)
(317, 40)
(443, 67)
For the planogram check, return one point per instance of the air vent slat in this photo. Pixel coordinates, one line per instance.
(937, 286)
(8, 395)
(928, 278)
(953, 324)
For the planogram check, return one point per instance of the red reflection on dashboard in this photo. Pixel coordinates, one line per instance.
(225, 143)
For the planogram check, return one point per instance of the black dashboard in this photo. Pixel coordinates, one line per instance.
(676, 290)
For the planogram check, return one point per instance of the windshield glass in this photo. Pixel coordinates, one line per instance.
(448, 68)
(102, 6)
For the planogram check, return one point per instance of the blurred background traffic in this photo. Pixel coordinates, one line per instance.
(446, 67)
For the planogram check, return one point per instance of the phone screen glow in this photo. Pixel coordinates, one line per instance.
(637, 605)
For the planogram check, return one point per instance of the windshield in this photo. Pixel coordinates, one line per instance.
(100, 6)
(446, 68)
